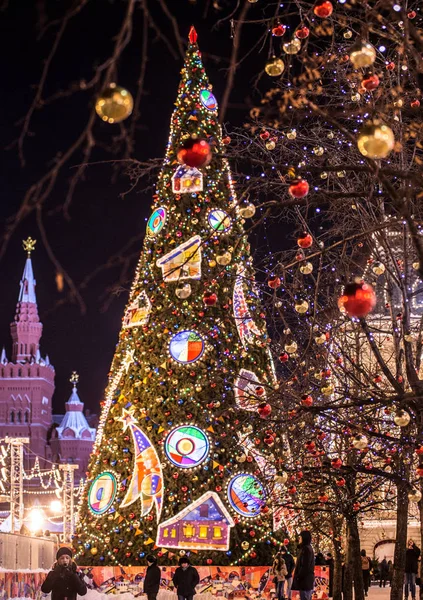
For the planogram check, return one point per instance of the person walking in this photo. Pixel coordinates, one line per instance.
(384, 572)
(390, 572)
(304, 569)
(290, 564)
(152, 578)
(411, 567)
(185, 579)
(279, 572)
(330, 563)
(365, 567)
(63, 581)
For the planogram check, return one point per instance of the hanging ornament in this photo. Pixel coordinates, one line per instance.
(318, 150)
(94, 551)
(282, 478)
(194, 153)
(292, 47)
(320, 339)
(358, 299)
(115, 104)
(301, 306)
(307, 400)
(245, 545)
(348, 34)
(323, 9)
(247, 211)
(370, 82)
(402, 418)
(284, 357)
(209, 298)
(375, 140)
(416, 265)
(378, 268)
(291, 347)
(299, 188)
(224, 259)
(271, 144)
(327, 390)
(336, 463)
(362, 54)
(304, 240)
(274, 283)
(184, 291)
(302, 33)
(274, 67)
(360, 442)
(323, 498)
(415, 495)
(306, 268)
(340, 482)
(279, 30)
(419, 471)
(264, 410)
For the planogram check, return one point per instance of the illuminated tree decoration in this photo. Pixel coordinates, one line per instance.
(156, 221)
(187, 180)
(187, 446)
(184, 262)
(249, 392)
(138, 311)
(102, 493)
(219, 221)
(208, 100)
(246, 495)
(247, 329)
(186, 347)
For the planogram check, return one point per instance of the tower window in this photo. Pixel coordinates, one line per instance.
(26, 417)
(12, 417)
(19, 417)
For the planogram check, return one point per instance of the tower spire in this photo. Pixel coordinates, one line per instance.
(26, 329)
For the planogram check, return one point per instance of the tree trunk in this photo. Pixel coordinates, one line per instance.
(355, 559)
(400, 543)
(337, 576)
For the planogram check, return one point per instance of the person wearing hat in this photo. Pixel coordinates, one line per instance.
(185, 579)
(63, 581)
(152, 578)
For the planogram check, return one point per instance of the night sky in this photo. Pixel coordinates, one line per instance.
(100, 221)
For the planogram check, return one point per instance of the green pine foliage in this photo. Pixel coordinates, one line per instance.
(152, 391)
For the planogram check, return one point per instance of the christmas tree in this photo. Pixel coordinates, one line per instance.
(177, 466)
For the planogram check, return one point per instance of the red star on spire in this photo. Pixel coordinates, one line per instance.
(192, 35)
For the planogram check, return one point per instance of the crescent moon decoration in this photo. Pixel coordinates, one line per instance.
(147, 478)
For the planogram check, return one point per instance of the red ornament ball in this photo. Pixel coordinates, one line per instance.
(419, 471)
(340, 482)
(264, 135)
(259, 390)
(390, 66)
(209, 561)
(323, 9)
(305, 240)
(209, 298)
(370, 83)
(302, 33)
(279, 30)
(299, 188)
(307, 400)
(274, 283)
(253, 554)
(358, 299)
(194, 153)
(419, 450)
(323, 498)
(264, 410)
(286, 542)
(284, 357)
(415, 103)
(252, 533)
(292, 490)
(336, 463)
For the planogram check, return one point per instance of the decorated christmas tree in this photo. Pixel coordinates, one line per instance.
(177, 466)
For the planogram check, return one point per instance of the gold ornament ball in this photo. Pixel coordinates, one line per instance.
(375, 140)
(327, 390)
(212, 263)
(275, 67)
(348, 34)
(415, 495)
(323, 175)
(362, 54)
(318, 150)
(114, 104)
(270, 145)
(247, 211)
(291, 135)
(360, 442)
(224, 259)
(282, 478)
(320, 339)
(378, 268)
(184, 291)
(93, 551)
(291, 347)
(292, 47)
(416, 266)
(401, 418)
(356, 97)
(245, 545)
(301, 307)
(306, 268)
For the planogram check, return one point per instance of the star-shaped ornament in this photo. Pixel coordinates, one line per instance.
(127, 418)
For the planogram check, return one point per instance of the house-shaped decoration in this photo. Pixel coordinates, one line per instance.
(184, 262)
(247, 389)
(187, 180)
(203, 525)
(138, 311)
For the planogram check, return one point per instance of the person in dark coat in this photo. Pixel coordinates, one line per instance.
(330, 563)
(152, 578)
(320, 560)
(383, 572)
(365, 568)
(304, 569)
(185, 579)
(290, 564)
(411, 567)
(63, 581)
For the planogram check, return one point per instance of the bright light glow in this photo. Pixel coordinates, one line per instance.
(56, 506)
(36, 519)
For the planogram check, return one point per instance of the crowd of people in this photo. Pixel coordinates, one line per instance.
(64, 580)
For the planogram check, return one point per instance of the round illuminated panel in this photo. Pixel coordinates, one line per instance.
(156, 221)
(246, 495)
(208, 100)
(187, 446)
(186, 347)
(102, 493)
(151, 484)
(219, 221)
